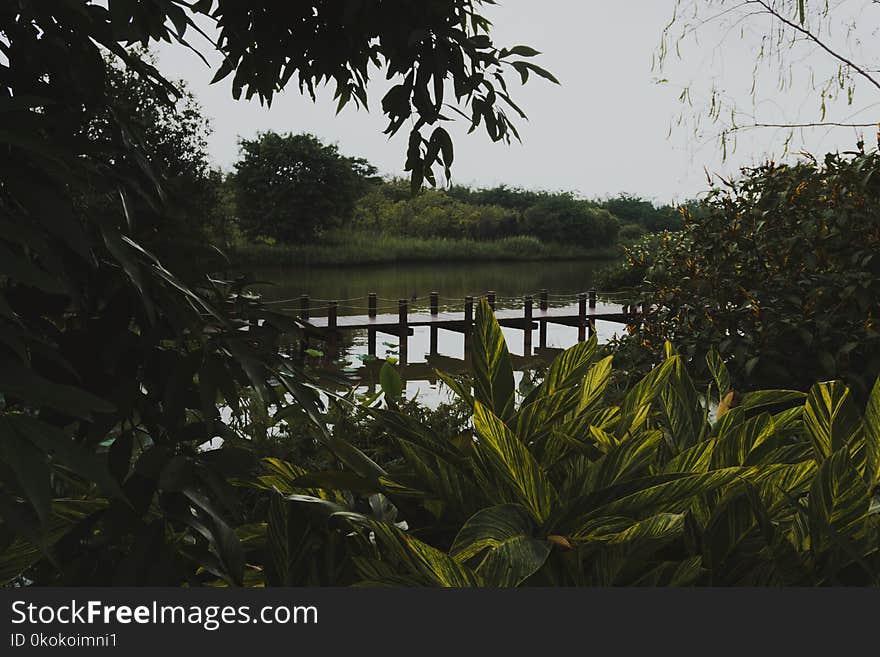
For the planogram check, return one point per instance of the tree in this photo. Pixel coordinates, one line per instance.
(113, 368)
(293, 187)
(561, 218)
(811, 47)
(634, 210)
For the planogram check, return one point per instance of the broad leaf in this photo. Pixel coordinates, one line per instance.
(872, 436)
(490, 361)
(831, 418)
(509, 459)
(502, 536)
(839, 501)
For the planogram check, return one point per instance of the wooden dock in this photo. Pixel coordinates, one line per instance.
(527, 318)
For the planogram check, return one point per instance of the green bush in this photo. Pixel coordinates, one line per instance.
(631, 232)
(780, 273)
(653, 219)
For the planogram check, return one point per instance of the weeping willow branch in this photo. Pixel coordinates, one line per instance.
(812, 37)
(792, 126)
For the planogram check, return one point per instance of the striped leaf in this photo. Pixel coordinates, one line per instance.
(872, 436)
(764, 398)
(617, 531)
(625, 461)
(490, 361)
(831, 418)
(839, 501)
(644, 393)
(567, 369)
(693, 460)
(444, 479)
(719, 372)
(500, 537)
(594, 384)
(779, 483)
(514, 561)
(419, 560)
(731, 523)
(734, 448)
(672, 496)
(508, 459)
(536, 418)
(685, 415)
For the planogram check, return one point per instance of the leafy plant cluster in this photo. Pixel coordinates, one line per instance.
(779, 273)
(664, 486)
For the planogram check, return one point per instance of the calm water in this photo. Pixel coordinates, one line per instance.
(349, 286)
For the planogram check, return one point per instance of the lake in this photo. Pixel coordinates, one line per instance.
(349, 286)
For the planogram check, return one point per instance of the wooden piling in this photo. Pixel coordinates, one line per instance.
(468, 323)
(582, 317)
(490, 297)
(527, 331)
(592, 297)
(403, 330)
(435, 310)
(542, 324)
(371, 332)
(332, 336)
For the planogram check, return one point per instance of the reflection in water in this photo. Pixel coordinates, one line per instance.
(453, 281)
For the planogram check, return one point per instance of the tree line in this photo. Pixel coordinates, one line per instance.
(294, 188)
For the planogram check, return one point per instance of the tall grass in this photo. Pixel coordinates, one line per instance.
(352, 248)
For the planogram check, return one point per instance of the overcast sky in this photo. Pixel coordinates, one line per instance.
(604, 130)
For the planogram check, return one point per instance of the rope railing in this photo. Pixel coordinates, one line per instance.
(372, 304)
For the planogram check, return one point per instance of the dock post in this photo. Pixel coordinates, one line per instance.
(303, 315)
(542, 325)
(527, 332)
(403, 329)
(490, 297)
(468, 323)
(332, 338)
(592, 294)
(371, 332)
(435, 310)
(582, 317)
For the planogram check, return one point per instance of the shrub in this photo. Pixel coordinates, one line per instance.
(780, 273)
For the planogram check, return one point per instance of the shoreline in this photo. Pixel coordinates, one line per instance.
(385, 250)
